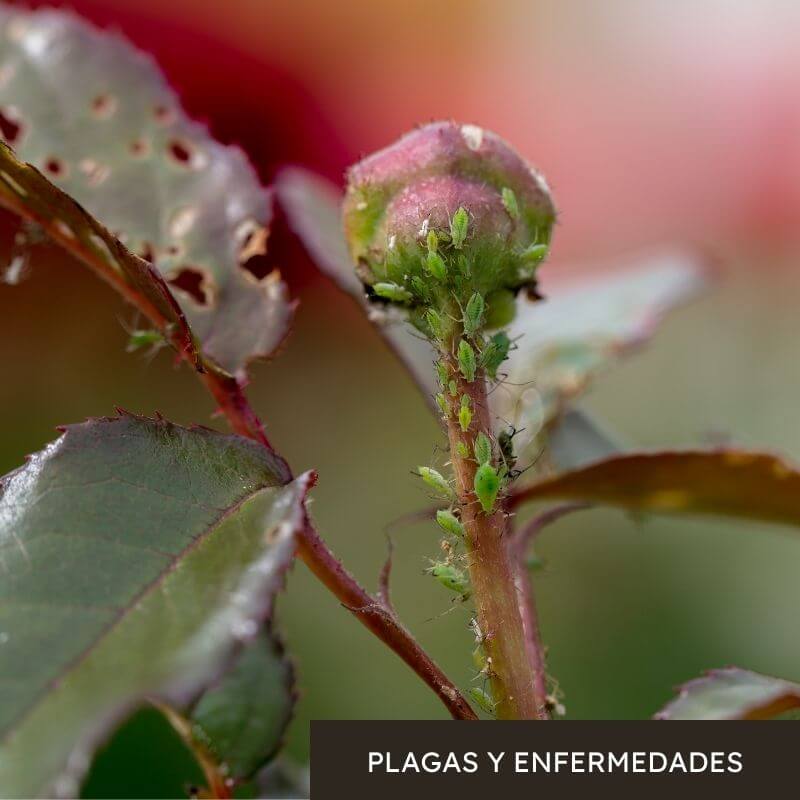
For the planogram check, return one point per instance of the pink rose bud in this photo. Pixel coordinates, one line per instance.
(446, 212)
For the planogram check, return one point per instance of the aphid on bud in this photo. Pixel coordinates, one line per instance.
(462, 450)
(449, 523)
(495, 353)
(434, 263)
(451, 578)
(433, 241)
(465, 413)
(482, 448)
(436, 481)
(483, 699)
(510, 203)
(487, 485)
(393, 292)
(466, 360)
(459, 227)
(420, 287)
(434, 322)
(452, 387)
(144, 338)
(534, 255)
(473, 314)
(441, 401)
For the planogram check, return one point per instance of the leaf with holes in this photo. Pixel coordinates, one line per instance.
(125, 537)
(732, 693)
(96, 117)
(586, 321)
(239, 722)
(733, 483)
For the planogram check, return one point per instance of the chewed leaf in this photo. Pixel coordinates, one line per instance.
(313, 209)
(242, 719)
(128, 535)
(727, 482)
(732, 693)
(97, 118)
(24, 190)
(581, 328)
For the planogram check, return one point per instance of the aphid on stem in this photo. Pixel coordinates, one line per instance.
(451, 578)
(487, 486)
(467, 364)
(436, 481)
(483, 699)
(465, 413)
(482, 448)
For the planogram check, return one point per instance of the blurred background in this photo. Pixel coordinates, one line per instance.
(654, 122)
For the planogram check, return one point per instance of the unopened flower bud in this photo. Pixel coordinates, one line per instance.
(454, 207)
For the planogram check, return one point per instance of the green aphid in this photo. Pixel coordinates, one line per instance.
(487, 485)
(432, 241)
(495, 353)
(452, 387)
(449, 523)
(442, 372)
(434, 321)
(459, 227)
(451, 578)
(393, 292)
(466, 360)
(534, 255)
(434, 263)
(510, 203)
(436, 481)
(473, 314)
(420, 287)
(144, 338)
(465, 413)
(441, 401)
(483, 699)
(482, 448)
(461, 448)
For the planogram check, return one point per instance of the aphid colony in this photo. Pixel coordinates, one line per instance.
(448, 297)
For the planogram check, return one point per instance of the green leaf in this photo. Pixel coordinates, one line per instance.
(732, 693)
(136, 557)
(727, 482)
(242, 719)
(588, 320)
(97, 118)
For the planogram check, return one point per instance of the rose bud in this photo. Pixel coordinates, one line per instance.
(447, 212)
